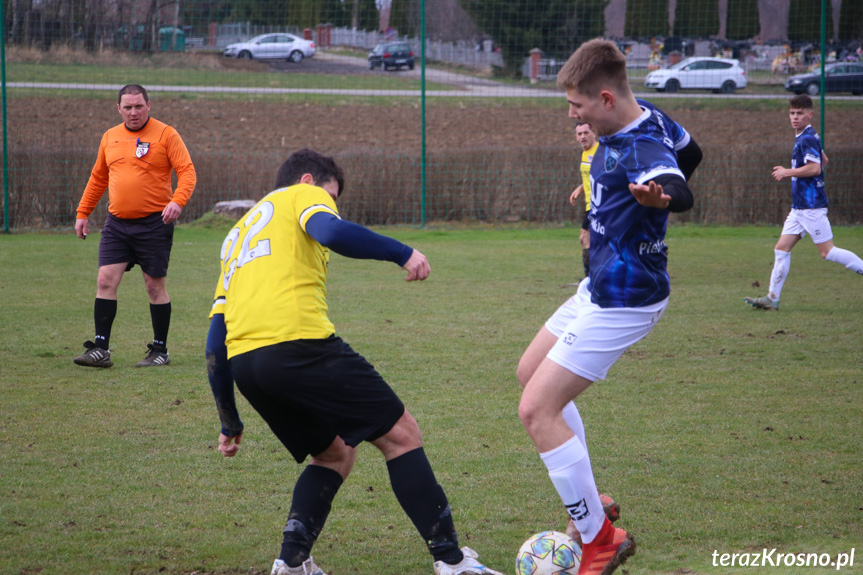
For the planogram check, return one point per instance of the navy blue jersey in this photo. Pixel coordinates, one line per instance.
(678, 134)
(807, 193)
(628, 254)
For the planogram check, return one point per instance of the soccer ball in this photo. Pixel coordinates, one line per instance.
(548, 553)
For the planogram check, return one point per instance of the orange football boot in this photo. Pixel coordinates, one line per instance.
(611, 548)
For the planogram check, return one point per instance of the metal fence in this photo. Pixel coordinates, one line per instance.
(491, 148)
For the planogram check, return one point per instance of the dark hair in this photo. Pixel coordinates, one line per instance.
(800, 102)
(132, 90)
(589, 127)
(597, 65)
(322, 168)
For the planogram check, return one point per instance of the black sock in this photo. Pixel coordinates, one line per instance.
(313, 498)
(425, 502)
(104, 312)
(160, 314)
(585, 259)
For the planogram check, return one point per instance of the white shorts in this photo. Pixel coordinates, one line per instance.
(591, 338)
(813, 222)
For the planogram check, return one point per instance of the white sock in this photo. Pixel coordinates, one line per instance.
(569, 469)
(573, 419)
(848, 259)
(781, 265)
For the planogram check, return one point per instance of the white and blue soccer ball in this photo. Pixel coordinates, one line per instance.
(548, 553)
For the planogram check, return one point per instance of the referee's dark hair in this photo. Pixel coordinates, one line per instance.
(132, 90)
(322, 168)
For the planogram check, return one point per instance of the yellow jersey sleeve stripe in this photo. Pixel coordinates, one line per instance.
(218, 307)
(312, 210)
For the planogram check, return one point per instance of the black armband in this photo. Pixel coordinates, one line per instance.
(677, 188)
(688, 158)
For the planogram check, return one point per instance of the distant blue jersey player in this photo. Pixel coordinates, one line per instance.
(807, 193)
(808, 205)
(637, 177)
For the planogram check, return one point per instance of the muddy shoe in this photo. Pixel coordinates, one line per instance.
(157, 355)
(94, 356)
(307, 568)
(762, 303)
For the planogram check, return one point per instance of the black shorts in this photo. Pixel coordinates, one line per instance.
(585, 223)
(144, 241)
(310, 391)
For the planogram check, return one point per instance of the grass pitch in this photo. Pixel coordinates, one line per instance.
(727, 429)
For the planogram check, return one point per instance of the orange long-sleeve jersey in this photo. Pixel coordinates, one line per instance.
(136, 167)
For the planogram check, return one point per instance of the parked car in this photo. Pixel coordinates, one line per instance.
(838, 77)
(719, 74)
(280, 45)
(391, 55)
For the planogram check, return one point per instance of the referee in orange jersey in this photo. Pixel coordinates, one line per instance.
(134, 164)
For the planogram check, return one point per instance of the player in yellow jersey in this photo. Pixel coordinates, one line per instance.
(589, 144)
(319, 397)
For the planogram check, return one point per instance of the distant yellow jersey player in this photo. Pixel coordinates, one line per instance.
(586, 159)
(274, 274)
(586, 138)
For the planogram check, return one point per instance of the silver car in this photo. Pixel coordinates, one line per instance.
(268, 46)
(719, 74)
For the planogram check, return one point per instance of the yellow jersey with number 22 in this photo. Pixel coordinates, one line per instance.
(274, 275)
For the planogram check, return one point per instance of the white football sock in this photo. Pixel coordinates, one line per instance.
(781, 265)
(573, 419)
(569, 469)
(848, 259)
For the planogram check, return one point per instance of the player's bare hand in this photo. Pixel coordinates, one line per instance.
(779, 173)
(171, 212)
(417, 267)
(229, 446)
(650, 195)
(575, 193)
(82, 227)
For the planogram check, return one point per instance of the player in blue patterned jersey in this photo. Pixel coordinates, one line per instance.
(808, 205)
(680, 138)
(637, 178)
(629, 254)
(688, 157)
(807, 193)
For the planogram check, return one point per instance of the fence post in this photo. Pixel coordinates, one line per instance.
(5, 122)
(423, 174)
(823, 65)
(535, 55)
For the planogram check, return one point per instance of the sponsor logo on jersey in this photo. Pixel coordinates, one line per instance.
(612, 157)
(656, 247)
(597, 227)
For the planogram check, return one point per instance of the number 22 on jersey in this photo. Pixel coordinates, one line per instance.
(250, 249)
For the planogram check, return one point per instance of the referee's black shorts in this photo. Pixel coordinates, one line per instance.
(144, 241)
(585, 223)
(310, 391)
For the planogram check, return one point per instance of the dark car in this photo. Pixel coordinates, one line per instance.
(391, 55)
(838, 77)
